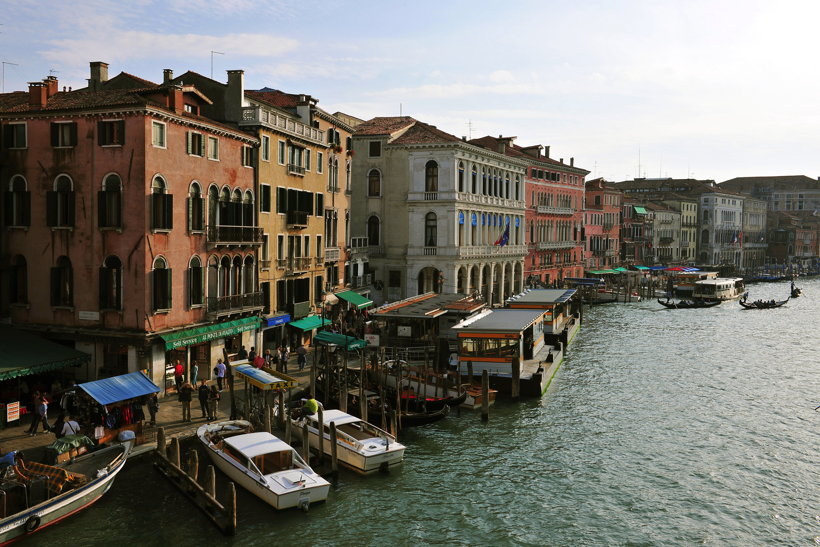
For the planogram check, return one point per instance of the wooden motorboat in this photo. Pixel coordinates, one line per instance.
(688, 304)
(761, 304)
(360, 445)
(36, 495)
(263, 464)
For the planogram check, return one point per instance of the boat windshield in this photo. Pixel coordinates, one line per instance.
(273, 462)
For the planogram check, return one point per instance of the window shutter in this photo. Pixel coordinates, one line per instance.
(199, 213)
(202, 140)
(320, 205)
(8, 139)
(120, 133)
(55, 134)
(70, 198)
(101, 133)
(190, 202)
(8, 209)
(102, 209)
(25, 212)
(281, 200)
(168, 278)
(156, 205)
(51, 208)
(73, 135)
(169, 211)
(188, 137)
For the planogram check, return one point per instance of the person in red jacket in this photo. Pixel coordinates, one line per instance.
(179, 374)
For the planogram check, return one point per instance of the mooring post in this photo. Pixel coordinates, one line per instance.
(267, 419)
(193, 464)
(334, 460)
(281, 403)
(210, 481)
(162, 448)
(516, 378)
(485, 395)
(174, 455)
(231, 507)
(306, 443)
(394, 425)
(321, 427)
(470, 372)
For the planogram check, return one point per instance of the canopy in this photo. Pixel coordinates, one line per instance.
(640, 267)
(190, 337)
(621, 269)
(584, 280)
(355, 298)
(264, 380)
(119, 388)
(310, 323)
(339, 339)
(639, 210)
(657, 267)
(25, 354)
(599, 272)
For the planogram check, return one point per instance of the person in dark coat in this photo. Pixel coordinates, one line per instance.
(185, 393)
(203, 392)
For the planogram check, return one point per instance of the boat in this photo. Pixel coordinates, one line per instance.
(761, 304)
(36, 495)
(688, 304)
(360, 445)
(719, 288)
(263, 464)
(795, 291)
(407, 418)
(414, 402)
(414, 378)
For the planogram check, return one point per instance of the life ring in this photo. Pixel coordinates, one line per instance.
(32, 523)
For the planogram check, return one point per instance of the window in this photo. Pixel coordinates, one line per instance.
(460, 176)
(14, 135)
(194, 144)
(63, 134)
(161, 285)
(18, 203)
(162, 205)
(374, 183)
(281, 152)
(430, 230)
(196, 283)
(60, 204)
(110, 202)
(265, 148)
(375, 149)
(247, 156)
(264, 198)
(320, 159)
(196, 208)
(373, 230)
(158, 134)
(281, 200)
(213, 148)
(320, 205)
(431, 177)
(111, 132)
(111, 284)
(62, 281)
(18, 281)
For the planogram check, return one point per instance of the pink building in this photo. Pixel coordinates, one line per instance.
(603, 225)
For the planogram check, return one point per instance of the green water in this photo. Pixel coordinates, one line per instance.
(662, 427)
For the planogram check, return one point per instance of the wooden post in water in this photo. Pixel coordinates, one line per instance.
(268, 424)
(394, 424)
(515, 389)
(321, 427)
(288, 430)
(470, 372)
(362, 402)
(334, 461)
(162, 447)
(306, 443)
(173, 456)
(230, 505)
(210, 481)
(193, 464)
(281, 403)
(314, 370)
(485, 395)
(343, 384)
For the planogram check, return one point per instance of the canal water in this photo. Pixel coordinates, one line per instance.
(662, 427)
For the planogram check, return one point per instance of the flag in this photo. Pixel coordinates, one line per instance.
(734, 238)
(740, 238)
(504, 238)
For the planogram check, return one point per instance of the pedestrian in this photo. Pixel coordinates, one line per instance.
(194, 373)
(242, 353)
(252, 354)
(219, 369)
(153, 408)
(279, 358)
(40, 414)
(179, 374)
(269, 359)
(213, 403)
(70, 427)
(185, 392)
(204, 392)
(285, 357)
(301, 357)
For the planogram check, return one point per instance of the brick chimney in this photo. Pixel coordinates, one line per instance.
(547, 152)
(167, 75)
(175, 101)
(572, 162)
(99, 75)
(52, 86)
(37, 94)
(235, 95)
(533, 151)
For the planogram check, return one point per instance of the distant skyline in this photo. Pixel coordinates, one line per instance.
(708, 90)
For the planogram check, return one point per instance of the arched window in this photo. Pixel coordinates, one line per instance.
(224, 206)
(236, 207)
(18, 283)
(430, 230)
(248, 276)
(213, 206)
(196, 282)
(374, 183)
(60, 203)
(461, 176)
(373, 229)
(196, 208)
(162, 205)
(110, 202)
(111, 284)
(247, 209)
(18, 203)
(62, 283)
(161, 285)
(225, 276)
(704, 236)
(431, 177)
(474, 180)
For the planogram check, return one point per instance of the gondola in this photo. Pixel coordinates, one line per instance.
(687, 304)
(408, 419)
(418, 403)
(761, 304)
(795, 291)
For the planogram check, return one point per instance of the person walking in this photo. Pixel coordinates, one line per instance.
(204, 392)
(153, 408)
(285, 357)
(269, 359)
(220, 372)
(301, 357)
(194, 373)
(40, 414)
(70, 427)
(252, 354)
(179, 374)
(242, 353)
(213, 404)
(185, 392)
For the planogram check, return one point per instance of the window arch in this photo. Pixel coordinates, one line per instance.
(236, 208)
(373, 230)
(111, 284)
(248, 276)
(62, 283)
(196, 282)
(18, 203)
(247, 209)
(60, 203)
(224, 208)
(374, 183)
(109, 202)
(431, 176)
(162, 205)
(213, 205)
(18, 286)
(430, 230)
(196, 208)
(474, 180)
(161, 285)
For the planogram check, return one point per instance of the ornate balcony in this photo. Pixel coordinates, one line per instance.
(257, 115)
(294, 265)
(297, 220)
(332, 254)
(550, 210)
(236, 303)
(548, 245)
(234, 235)
(294, 169)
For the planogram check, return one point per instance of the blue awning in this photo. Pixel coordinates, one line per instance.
(119, 388)
(264, 380)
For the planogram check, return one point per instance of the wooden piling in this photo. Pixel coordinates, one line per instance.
(334, 459)
(193, 464)
(231, 505)
(210, 481)
(288, 430)
(394, 425)
(306, 443)
(470, 372)
(268, 424)
(362, 402)
(485, 395)
(173, 455)
(281, 403)
(321, 427)
(161, 445)
(515, 389)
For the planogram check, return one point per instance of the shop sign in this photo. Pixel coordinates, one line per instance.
(88, 315)
(13, 411)
(280, 320)
(405, 331)
(372, 339)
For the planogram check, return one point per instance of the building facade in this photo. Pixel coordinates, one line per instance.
(603, 209)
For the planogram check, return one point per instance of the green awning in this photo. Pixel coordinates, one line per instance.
(355, 298)
(310, 323)
(190, 337)
(640, 267)
(25, 354)
(639, 210)
(339, 339)
(621, 269)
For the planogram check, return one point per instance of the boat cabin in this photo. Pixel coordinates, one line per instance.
(719, 288)
(563, 306)
(683, 283)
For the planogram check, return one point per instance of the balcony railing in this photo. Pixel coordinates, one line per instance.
(236, 303)
(264, 264)
(332, 254)
(256, 115)
(234, 235)
(549, 209)
(294, 169)
(294, 264)
(464, 251)
(430, 196)
(297, 219)
(360, 281)
(547, 245)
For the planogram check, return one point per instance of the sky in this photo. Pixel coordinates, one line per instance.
(657, 88)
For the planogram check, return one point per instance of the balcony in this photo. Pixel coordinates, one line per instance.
(466, 251)
(603, 252)
(550, 210)
(234, 235)
(478, 199)
(333, 188)
(361, 281)
(549, 245)
(264, 264)
(294, 265)
(430, 196)
(297, 220)
(237, 303)
(667, 240)
(257, 115)
(294, 169)
(332, 254)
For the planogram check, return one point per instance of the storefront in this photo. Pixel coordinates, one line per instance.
(273, 332)
(301, 331)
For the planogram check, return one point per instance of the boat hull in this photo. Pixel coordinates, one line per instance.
(367, 463)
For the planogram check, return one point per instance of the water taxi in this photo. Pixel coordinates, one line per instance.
(719, 288)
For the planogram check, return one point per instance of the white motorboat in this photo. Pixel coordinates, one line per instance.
(263, 464)
(37, 495)
(360, 446)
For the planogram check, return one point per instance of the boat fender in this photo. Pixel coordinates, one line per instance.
(32, 523)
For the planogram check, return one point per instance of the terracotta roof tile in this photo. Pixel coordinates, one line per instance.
(384, 125)
(274, 97)
(421, 133)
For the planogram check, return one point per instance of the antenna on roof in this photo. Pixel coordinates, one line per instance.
(3, 77)
(52, 71)
(212, 61)
(469, 130)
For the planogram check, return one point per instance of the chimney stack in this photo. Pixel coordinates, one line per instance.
(99, 75)
(572, 162)
(167, 75)
(547, 152)
(52, 86)
(235, 95)
(175, 101)
(37, 96)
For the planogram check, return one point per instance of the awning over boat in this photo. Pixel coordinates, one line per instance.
(25, 354)
(263, 380)
(119, 388)
(585, 281)
(355, 298)
(190, 337)
(310, 323)
(621, 269)
(657, 267)
(350, 342)
(639, 210)
(640, 267)
(600, 272)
